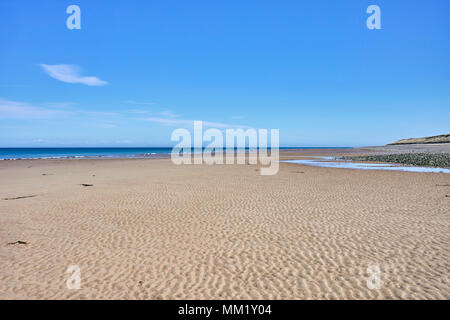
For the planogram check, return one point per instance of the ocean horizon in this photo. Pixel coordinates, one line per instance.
(101, 152)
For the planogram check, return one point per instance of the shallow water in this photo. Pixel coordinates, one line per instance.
(363, 165)
(99, 152)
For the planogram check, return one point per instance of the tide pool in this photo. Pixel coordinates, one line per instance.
(327, 162)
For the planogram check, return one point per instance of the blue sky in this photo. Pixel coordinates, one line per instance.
(139, 69)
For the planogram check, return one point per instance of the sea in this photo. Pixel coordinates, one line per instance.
(103, 152)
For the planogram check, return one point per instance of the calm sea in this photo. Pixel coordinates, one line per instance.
(58, 153)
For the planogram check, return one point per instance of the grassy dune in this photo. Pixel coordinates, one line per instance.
(443, 138)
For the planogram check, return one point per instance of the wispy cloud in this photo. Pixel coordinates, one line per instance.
(59, 105)
(107, 125)
(71, 74)
(99, 113)
(169, 114)
(138, 111)
(185, 122)
(39, 140)
(21, 110)
(139, 102)
(125, 141)
(165, 113)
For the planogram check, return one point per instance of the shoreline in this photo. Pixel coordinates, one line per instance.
(370, 155)
(138, 155)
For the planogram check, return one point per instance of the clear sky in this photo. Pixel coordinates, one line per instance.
(136, 70)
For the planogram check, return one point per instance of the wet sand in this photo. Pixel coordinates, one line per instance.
(147, 229)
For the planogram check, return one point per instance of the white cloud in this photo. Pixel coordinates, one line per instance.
(70, 74)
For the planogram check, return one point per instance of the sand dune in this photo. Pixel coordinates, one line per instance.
(147, 229)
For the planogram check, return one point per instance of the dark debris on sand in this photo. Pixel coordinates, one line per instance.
(18, 242)
(21, 197)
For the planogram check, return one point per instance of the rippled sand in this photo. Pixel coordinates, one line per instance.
(147, 229)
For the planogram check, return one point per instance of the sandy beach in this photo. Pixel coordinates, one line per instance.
(147, 229)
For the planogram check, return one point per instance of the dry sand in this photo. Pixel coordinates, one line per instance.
(148, 229)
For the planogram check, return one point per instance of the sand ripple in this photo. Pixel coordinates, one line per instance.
(149, 230)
